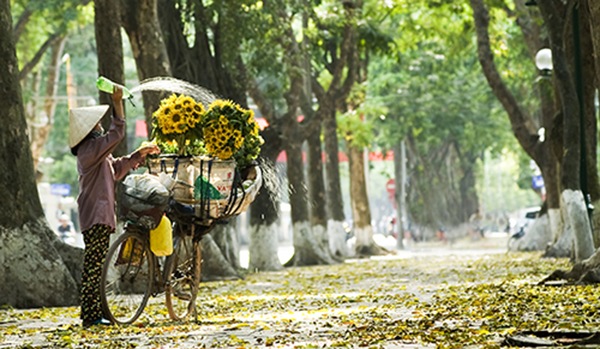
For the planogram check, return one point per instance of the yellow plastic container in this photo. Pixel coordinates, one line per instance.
(161, 238)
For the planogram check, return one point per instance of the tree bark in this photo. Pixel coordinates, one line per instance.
(400, 181)
(588, 88)
(571, 94)
(365, 244)
(548, 154)
(34, 274)
(308, 249)
(109, 48)
(211, 61)
(217, 267)
(344, 67)
(586, 271)
(308, 244)
(316, 182)
(264, 212)
(446, 196)
(594, 12)
(40, 132)
(316, 186)
(335, 202)
(226, 236)
(140, 20)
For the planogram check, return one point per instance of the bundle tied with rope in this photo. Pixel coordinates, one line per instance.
(143, 199)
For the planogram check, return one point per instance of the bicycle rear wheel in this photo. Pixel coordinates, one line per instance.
(182, 270)
(127, 277)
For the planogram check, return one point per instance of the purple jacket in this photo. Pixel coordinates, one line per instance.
(98, 173)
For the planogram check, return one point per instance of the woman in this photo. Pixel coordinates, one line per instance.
(98, 173)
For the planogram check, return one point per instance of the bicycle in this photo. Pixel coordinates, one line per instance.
(132, 273)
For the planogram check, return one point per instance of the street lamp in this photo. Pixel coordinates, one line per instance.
(543, 61)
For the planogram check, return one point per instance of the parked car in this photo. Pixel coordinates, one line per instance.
(519, 229)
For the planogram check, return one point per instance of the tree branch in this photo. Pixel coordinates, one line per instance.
(27, 68)
(522, 125)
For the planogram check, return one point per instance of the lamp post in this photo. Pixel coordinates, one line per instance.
(543, 61)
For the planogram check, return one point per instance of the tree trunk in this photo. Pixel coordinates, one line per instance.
(335, 202)
(400, 181)
(570, 90)
(316, 186)
(443, 197)
(226, 236)
(587, 270)
(550, 169)
(363, 231)
(204, 62)
(264, 212)
(109, 48)
(152, 60)
(344, 69)
(468, 192)
(264, 219)
(308, 247)
(264, 227)
(588, 88)
(34, 273)
(594, 13)
(217, 267)
(546, 154)
(140, 20)
(41, 131)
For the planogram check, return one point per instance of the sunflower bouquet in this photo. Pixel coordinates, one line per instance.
(225, 130)
(176, 125)
(204, 148)
(231, 132)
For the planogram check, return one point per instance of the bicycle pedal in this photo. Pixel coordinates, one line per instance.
(182, 295)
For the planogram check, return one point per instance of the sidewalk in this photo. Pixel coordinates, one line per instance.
(492, 243)
(359, 303)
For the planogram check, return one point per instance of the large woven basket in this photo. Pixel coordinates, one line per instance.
(185, 171)
(244, 195)
(235, 194)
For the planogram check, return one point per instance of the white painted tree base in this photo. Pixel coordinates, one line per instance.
(310, 248)
(337, 239)
(577, 217)
(263, 248)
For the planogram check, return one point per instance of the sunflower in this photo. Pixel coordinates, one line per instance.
(231, 131)
(224, 131)
(175, 120)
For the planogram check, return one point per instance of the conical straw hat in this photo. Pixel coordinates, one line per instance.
(82, 121)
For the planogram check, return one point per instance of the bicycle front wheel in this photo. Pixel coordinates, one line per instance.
(127, 277)
(183, 269)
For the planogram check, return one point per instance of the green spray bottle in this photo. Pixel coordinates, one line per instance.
(108, 86)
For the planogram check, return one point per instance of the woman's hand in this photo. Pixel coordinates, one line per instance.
(117, 95)
(117, 98)
(149, 149)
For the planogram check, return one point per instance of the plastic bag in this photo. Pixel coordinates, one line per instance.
(143, 200)
(143, 192)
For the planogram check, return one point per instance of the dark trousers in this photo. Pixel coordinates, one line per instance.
(96, 240)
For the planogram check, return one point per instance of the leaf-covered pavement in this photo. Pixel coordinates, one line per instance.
(428, 300)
